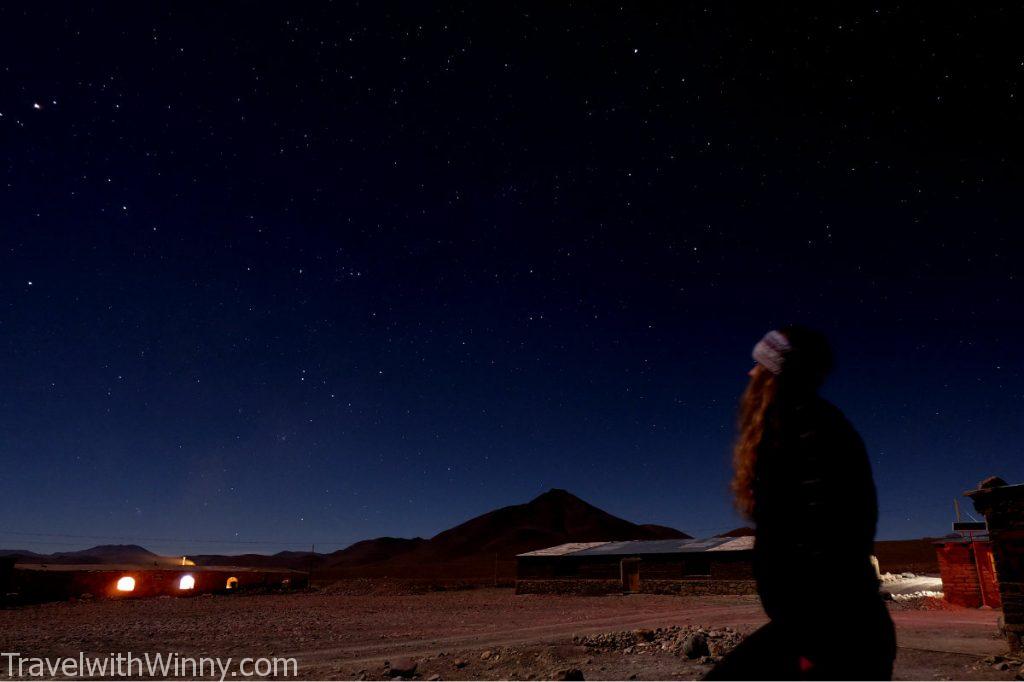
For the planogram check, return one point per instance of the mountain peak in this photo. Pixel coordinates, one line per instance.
(118, 548)
(109, 549)
(556, 495)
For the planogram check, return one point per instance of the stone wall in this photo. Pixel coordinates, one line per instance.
(698, 587)
(669, 573)
(1003, 507)
(598, 587)
(569, 586)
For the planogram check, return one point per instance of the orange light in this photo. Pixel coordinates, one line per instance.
(232, 583)
(126, 584)
(187, 582)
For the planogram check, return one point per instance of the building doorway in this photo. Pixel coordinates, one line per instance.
(630, 569)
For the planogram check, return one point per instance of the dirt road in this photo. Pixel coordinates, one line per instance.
(349, 636)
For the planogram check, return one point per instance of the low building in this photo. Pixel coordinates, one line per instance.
(691, 566)
(968, 571)
(28, 583)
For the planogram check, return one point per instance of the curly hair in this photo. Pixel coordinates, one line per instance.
(807, 362)
(757, 398)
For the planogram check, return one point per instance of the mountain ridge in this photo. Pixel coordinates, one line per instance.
(553, 517)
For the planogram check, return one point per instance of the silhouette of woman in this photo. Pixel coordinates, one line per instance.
(802, 475)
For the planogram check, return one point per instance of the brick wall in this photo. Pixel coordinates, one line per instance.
(960, 569)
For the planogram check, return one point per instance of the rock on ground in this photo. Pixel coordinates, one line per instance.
(403, 667)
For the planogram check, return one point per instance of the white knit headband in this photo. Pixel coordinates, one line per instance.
(770, 352)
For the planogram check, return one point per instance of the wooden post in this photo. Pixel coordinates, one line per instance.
(977, 568)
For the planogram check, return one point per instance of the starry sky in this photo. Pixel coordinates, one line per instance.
(282, 274)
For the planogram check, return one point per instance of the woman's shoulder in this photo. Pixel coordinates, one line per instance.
(818, 417)
(816, 408)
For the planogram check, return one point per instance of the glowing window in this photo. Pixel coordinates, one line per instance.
(232, 583)
(187, 582)
(125, 584)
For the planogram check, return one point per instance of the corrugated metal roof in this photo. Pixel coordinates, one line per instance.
(740, 544)
(632, 547)
(567, 548)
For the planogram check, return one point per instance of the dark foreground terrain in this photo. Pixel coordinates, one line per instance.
(350, 631)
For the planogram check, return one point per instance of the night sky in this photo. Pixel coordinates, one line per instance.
(276, 274)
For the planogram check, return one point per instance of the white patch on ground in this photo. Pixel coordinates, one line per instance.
(909, 586)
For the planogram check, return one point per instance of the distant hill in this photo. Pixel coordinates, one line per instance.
(100, 554)
(302, 560)
(23, 555)
(741, 532)
(660, 532)
(359, 554)
(486, 545)
(552, 518)
(482, 546)
(372, 551)
(111, 554)
(471, 548)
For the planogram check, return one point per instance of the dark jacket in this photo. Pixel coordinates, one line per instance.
(816, 511)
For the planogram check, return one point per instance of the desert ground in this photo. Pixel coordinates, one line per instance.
(362, 631)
